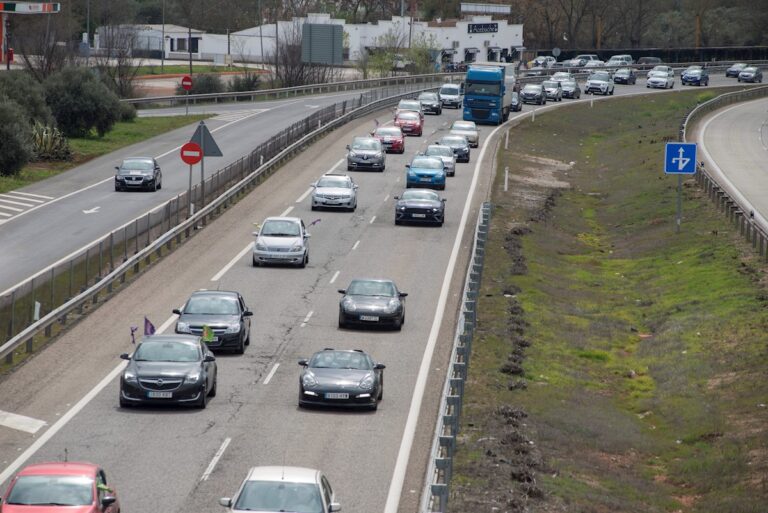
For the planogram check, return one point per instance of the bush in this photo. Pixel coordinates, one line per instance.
(22, 88)
(203, 84)
(127, 112)
(246, 82)
(49, 143)
(80, 102)
(15, 138)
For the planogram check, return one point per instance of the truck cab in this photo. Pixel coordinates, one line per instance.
(488, 91)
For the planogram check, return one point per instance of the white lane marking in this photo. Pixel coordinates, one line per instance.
(236, 115)
(372, 220)
(271, 373)
(5, 215)
(30, 194)
(13, 208)
(91, 211)
(215, 460)
(286, 211)
(82, 403)
(14, 196)
(335, 275)
(403, 455)
(306, 319)
(355, 245)
(304, 196)
(246, 249)
(386, 197)
(20, 422)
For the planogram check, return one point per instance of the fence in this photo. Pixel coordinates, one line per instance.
(440, 466)
(68, 288)
(751, 224)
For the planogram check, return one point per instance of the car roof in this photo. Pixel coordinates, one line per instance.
(290, 474)
(364, 138)
(70, 468)
(380, 280)
(215, 293)
(143, 159)
(336, 175)
(334, 350)
(278, 218)
(189, 339)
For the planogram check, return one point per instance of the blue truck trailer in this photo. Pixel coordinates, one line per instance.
(488, 88)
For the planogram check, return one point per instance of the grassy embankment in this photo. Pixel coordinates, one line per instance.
(618, 366)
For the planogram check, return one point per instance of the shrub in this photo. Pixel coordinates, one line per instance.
(15, 138)
(80, 102)
(246, 82)
(127, 112)
(49, 143)
(203, 84)
(22, 88)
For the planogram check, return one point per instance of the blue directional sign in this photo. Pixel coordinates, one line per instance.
(680, 159)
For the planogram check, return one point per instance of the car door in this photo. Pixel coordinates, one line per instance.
(103, 490)
(304, 235)
(209, 368)
(246, 321)
(158, 173)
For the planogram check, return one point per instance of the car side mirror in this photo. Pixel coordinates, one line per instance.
(379, 366)
(303, 362)
(256, 233)
(342, 291)
(177, 311)
(307, 235)
(403, 294)
(313, 184)
(117, 167)
(355, 186)
(396, 197)
(407, 165)
(333, 507)
(209, 358)
(226, 502)
(443, 200)
(125, 356)
(347, 146)
(247, 313)
(108, 500)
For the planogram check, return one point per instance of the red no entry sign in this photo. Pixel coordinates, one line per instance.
(191, 153)
(186, 82)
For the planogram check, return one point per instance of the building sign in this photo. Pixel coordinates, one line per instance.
(482, 28)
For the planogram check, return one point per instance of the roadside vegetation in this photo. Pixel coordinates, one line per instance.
(183, 69)
(617, 366)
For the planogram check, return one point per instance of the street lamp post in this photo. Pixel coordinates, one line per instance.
(162, 44)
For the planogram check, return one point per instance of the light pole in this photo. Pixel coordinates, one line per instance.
(162, 44)
(88, 32)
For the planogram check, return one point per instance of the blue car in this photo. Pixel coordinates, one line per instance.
(695, 76)
(425, 171)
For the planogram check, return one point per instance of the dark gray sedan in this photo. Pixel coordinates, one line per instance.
(533, 93)
(345, 378)
(372, 302)
(571, 89)
(138, 173)
(224, 314)
(169, 369)
(430, 102)
(365, 153)
(420, 206)
(459, 145)
(751, 74)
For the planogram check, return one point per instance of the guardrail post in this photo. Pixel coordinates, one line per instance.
(53, 288)
(71, 277)
(87, 263)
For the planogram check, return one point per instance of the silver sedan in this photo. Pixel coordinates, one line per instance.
(468, 129)
(334, 191)
(365, 153)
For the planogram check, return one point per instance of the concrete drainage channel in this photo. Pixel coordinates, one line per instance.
(69, 288)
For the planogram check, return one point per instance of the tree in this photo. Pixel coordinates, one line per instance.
(116, 64)
(23, 89)
(15, 138)
(81, 102)
(421, 54)
(41, 43)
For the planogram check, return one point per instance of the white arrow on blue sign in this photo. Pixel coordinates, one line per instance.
(680, 159)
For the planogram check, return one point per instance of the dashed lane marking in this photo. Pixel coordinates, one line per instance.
(20, 422)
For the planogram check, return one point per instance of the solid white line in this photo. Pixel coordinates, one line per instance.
(355, 245)
(271, 373)
(20, 422)
(13, 208)
(306, 319)
(215, 460)
(218, 275)
(335, 275)
(304, 196)
(403, 455)
(372, 220)
(14, 196)
(4, 214)
(286, 211)
(30, 194)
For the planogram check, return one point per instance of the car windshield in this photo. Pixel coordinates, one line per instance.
(532, 88)
(336, 182)
(561, 75)
(622, 71)
(750, 69)
(137, 165)
(550, 83)
(212, 305)
(693, 72)
(409, 105)
(427, 163)
(365, 144)
(600, 76)
(340, 360)
(408, 116)
(420, 195)
(658, 73)
(661, 68)
(52, 491)
(371, 288)
(166, 352)
(427, 96)
(448, 90)
(439, 151)
(739, 65)
(461, 125)
(569, 85)
(453, 141)
(278, 228)
(280, 496)
(482, 89)
(393, 132)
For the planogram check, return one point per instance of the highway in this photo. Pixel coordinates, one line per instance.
(166, 459)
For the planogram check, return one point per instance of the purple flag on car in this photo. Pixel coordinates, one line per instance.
(149, 328)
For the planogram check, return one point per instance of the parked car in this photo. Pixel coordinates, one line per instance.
(533, 93)
(430, 102)
(138, 173)
(281, 488)
(420, 206)
(410, 123)
(595, 64)
(625, 76)
(660, 80)
(544, 61)
(444, 153)
(223, 312)
(66, 487)
(281, 240)
(553, 90)
(751, 74)
(516, 104)
(648, 62)
(451, 95)
(618, 61)
(369, 301)
(668, 70)
(583, 59)
(571, 89)
(366, 153)
(698, 77)
(459, 145)
(599, 82)
(561, 76)
(735, 69)
(169, 369)
(468, 129)
(341, 378)
(425, 171)
(391, 138)
(334, 190)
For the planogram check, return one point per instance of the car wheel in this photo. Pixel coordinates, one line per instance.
(117, 188)
(212, 393)
(255, 263)
(160, 184)
(611, 92)
(248, 339)
(240, 349)
(398, 324)
(350, 168)
(123, 403)
(203, 399)
(342, 322)
(154, 187)
(305, 261)
(313, 208)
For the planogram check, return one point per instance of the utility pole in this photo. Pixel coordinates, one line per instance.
(162, 44)
(189, 46)
(88, 32)
(698, 31)
(410, 24)
(261, 37)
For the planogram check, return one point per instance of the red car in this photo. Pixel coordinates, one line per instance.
(409, 122)
(391, 137)
(60, 487)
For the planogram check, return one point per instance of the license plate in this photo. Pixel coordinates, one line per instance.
(160, 395)
(425, 179)
(369, 318)
(214, 339)
(419, 215)
(337, 395)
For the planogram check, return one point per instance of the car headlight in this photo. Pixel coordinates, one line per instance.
(367, 382)
(348, 304)
(182, 327)
(261, 247)
(297, 247)
(192, 378)
(402, 208)
(233, 328)
(308, 380)
(352, 154)
(130, 377)
(411, 172)
(393, 305)
(435, 210)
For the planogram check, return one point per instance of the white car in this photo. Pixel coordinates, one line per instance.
(599, 82)
(281, 240)
(561, 76)
(468, 129)
(295, 489)
(666, 69)
(334, 190)
(620, 61)
(451, 95)
(660, 80)
(544, 61)
(595, 64)
(583, 59)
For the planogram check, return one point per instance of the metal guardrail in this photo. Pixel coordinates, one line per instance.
(148, 235)
(286, 92)
(751, 224)
(440, 466)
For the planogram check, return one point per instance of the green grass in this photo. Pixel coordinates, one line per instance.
(177, 69)
(647, 361)
(123, 134)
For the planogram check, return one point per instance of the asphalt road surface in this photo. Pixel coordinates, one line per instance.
(165, 459)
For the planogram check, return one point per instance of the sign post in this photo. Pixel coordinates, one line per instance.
(208, 148)
(680, 159)
(191, 154)
(186, 83)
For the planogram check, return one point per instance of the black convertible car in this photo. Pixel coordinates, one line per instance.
(372, 302)
(420, 206)
(346, 378)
